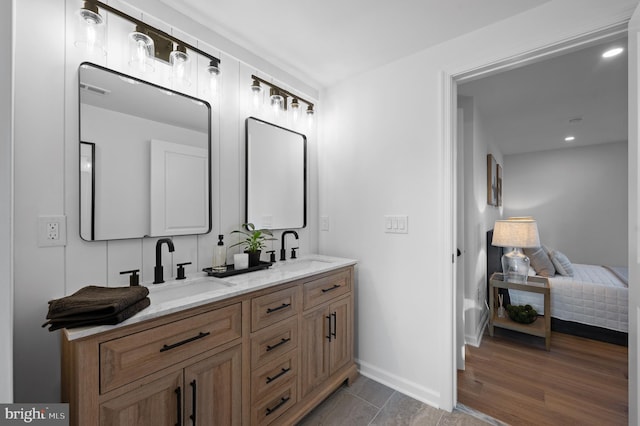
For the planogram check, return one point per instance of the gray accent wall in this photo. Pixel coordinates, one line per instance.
(578, 196)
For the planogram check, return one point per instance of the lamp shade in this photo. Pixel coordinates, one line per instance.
(516, 232)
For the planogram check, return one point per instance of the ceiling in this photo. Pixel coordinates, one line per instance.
(323, 42)
(531, 108)
(109, 90)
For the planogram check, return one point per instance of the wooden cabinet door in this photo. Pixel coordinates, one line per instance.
(315, 349)
(158, 403)
(213, 389)
(340, 346)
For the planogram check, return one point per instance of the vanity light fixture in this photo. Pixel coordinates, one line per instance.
(570, 139)
(90, 28)
(278, 99)
(147, 43)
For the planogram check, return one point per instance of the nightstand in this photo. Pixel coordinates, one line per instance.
(540, 327)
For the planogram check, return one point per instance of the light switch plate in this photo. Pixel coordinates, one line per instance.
(396, 224)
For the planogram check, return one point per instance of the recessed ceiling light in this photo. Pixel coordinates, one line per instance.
(569, 138)
(612, 52)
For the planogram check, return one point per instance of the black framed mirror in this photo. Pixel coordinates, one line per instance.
(145, 158)
(276, 176)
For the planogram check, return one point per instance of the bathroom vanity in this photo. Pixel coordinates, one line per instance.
(254, 349)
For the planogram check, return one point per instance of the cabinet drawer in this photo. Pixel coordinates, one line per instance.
(274, 307)
(269, 343)
(326, 288)
(131, 357)
(268, 410)
(273, 375)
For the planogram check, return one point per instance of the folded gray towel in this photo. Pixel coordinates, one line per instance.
(96, 301)
(85, 319)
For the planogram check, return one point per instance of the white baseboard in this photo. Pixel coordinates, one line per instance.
(477, 338)
(400, 384)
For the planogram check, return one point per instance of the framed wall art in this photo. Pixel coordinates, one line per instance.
(499, 183)
(492, 181)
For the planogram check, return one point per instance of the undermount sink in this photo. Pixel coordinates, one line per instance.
(160, 293)
(296, 265)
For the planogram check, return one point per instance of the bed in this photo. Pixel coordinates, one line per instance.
(592, 303)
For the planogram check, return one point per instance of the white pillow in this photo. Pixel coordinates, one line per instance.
(561, 263)
(539, 260)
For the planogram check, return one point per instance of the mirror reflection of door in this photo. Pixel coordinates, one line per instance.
(178, 179)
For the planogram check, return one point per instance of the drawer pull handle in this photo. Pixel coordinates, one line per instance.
(330, 334)
(284, 305)
(179, 400)
(191, 339)
(281, 342)
(282, 372)
(283, 401)
(193, 402)
(324, 290)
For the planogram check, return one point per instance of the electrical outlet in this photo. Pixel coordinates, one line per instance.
(324, 223)
(52, 231)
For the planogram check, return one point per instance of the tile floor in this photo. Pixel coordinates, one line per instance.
(367, 402)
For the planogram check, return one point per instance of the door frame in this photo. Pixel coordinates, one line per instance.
(450, 82)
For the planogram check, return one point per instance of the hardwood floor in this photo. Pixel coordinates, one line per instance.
(512, 378)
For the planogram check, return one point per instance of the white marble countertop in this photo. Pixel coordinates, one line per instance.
(200, 289)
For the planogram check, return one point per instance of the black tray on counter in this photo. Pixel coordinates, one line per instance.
(232, 271)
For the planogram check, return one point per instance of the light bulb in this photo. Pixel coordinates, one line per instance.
(277, 102)
(141, 49)
(612, 52)
(213, 71)
(90, 29)
(295, 109)
(310, 114)
(180, 67)
(256, 91)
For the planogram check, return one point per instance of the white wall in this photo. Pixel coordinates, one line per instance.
(479, 217)
(6, 210)
(578, 197)
(46, 178)
(382, 151)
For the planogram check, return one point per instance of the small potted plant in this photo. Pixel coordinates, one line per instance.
(253, 242)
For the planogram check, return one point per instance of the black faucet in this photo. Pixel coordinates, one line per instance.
(157, 271)
(283, 253)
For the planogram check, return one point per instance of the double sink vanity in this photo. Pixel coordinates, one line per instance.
(259, 348)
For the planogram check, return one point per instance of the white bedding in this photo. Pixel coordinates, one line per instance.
(593, 296)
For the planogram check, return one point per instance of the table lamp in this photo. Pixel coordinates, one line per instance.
(517, 233)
